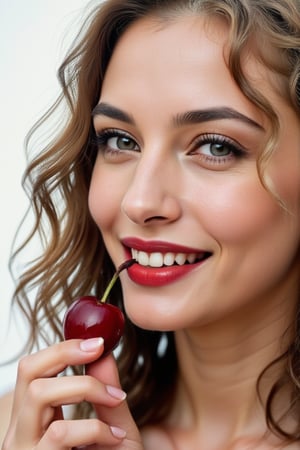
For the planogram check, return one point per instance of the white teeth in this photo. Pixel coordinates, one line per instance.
(180, 258)
(143, 258)
(192, 258)
(134, 253)
(169, 259)
(157, 259)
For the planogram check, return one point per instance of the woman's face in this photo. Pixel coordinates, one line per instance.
(175, 182)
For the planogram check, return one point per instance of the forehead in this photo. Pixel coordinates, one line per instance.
(180, 40)
(169, 55)
(181, 63)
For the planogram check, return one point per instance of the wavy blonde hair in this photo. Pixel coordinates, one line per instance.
(74, 261)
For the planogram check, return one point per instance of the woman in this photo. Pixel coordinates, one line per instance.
(182, 151)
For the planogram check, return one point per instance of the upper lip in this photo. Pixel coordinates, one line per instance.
(158, 246)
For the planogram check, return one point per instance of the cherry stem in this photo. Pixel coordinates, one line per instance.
(124, 265)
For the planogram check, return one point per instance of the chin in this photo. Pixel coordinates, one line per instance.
(147, 322)
(154, 318)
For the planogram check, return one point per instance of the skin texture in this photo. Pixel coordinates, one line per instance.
(6, 404)
(36, 420)
(230, 311)
(226, 330)
(229, 212)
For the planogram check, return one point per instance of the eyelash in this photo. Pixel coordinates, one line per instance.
(101, 138)
(236, 151)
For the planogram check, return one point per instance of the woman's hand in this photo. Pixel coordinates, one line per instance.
(37, 421)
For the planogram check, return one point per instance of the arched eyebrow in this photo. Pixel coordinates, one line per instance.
(210, 114)
(186, 118)
(105, 109)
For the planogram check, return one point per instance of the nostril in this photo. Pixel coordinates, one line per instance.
(149, 219)
(150, 208)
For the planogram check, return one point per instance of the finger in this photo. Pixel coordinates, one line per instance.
(106, 371)
(65, 434)
(43, 396)
(51, 361)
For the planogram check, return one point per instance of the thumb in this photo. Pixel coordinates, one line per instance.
(105, 370)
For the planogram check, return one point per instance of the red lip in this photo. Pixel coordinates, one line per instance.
(158, 246)
(159, 276)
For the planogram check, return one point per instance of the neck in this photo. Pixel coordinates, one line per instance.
(219, 366)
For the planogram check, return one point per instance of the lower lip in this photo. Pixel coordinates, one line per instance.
(159, 276)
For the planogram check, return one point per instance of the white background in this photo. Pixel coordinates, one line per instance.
(34, 35)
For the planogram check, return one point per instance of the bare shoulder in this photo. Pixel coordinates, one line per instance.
(154, 437)
(6, 402)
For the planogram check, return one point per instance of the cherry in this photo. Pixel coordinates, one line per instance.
(88, 317)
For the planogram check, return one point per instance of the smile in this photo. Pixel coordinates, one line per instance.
(158, 259)
(159, 263)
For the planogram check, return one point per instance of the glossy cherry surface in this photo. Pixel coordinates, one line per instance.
(87, 317)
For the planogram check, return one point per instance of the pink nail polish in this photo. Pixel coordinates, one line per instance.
(116, 392)
(118, 432)
(91, 345)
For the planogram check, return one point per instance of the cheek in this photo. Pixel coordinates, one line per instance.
(240, 215)
(258, 240)
(104, 198)
(241, 211)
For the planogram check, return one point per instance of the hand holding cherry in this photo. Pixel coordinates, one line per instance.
(88, 317)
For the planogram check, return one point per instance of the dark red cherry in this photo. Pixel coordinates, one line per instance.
(89, 317)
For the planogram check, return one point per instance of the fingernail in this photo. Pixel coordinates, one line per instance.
(116, 392)
(91, 345)
(118, 432)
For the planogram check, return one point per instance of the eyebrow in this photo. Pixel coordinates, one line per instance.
(210, 114)
(104, 109)
(186, 118)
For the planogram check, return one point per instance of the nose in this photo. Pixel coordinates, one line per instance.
(152, 196)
